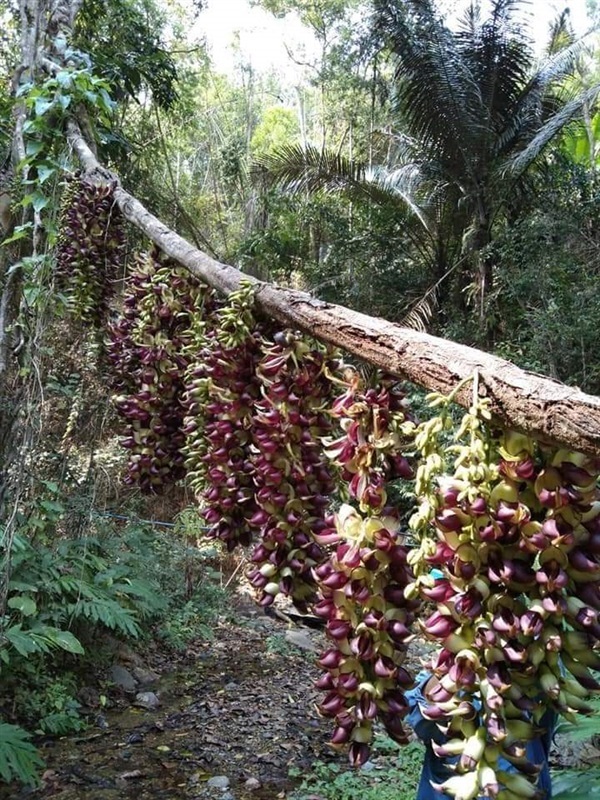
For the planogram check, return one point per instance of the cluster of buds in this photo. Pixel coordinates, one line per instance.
(221, 392)
(90, 248)
(292, 479)
(368, 618)
(147, 349)
(511, 540)
(375, 422)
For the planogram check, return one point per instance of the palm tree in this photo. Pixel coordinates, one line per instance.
(476, 112)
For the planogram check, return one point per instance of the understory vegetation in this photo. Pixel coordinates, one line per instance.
(69, 600)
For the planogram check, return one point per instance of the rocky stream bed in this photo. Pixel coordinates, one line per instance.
(228, 722)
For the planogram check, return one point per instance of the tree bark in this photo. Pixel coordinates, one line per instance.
(545, 409)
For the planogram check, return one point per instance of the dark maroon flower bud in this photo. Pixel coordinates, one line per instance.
(515, 652)
(394, 595)
(384, 667)
(331, 705)
(478, 506)
(583, 563)
(505, 622)
(440, 625)
(366, 708)
(358, 754)
(348, 683)
(325, 682)
(449, 520)
(338, 629)
(396, 703)
(331, 659)
(532, 624)
(341, 735)
(362, 646)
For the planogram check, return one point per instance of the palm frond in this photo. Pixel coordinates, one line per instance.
(561, 33)
(555, 67)
(500, 58)
(437, 94)
(405, 182)
(550, 129)
(422, 312)
(297, 170)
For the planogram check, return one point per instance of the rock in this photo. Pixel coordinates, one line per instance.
(100, 722)
(122, 678)
(252, 784)
(89, 696)
(145, 677)
(147, 700)
(126, 654)
(300, 639)
(218, 782)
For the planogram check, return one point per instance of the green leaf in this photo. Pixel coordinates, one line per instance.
(24, 89)
(53, 507)
(64, 79)
(35, 199)
(33, 147)
(18, 757)
(20, 232)
(44, 172)
(65, 640)
(41, 105)
(572, 784)
(40, 201)
(23, 641)
(22, 586)
(23, 603)
(106, 102)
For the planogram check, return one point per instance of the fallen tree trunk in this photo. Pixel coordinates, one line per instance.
(545, 409)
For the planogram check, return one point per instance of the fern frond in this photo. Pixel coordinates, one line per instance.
(19, 759)
(108, 613)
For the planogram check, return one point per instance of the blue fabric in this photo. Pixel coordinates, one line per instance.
(436, 769)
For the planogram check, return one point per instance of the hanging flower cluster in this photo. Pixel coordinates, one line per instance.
(362, 585)
(375, 422)
(221, 394)
(90, 249)
(368, 622)
(147, 351)
(292, 478)
(510, 532)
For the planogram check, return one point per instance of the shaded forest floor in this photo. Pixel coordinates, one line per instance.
(236, 718)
